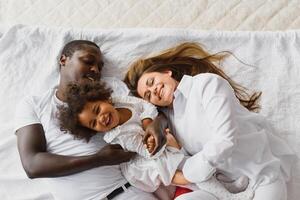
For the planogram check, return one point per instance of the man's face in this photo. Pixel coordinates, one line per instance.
(84, 64)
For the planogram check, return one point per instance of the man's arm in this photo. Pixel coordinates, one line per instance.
(156, 129)
(37, 162)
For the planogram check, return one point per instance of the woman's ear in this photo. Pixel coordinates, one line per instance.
(169, 72)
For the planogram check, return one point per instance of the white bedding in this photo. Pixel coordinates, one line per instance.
(28, 64)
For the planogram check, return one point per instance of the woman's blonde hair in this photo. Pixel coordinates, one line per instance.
(188, 59)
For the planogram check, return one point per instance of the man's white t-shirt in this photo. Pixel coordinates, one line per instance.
(96, 183)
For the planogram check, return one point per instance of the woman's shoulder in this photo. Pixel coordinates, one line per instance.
(205, 77)
(209, 83)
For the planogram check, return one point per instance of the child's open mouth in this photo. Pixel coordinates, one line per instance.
(108, 120)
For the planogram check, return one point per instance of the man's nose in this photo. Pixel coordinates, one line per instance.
(96, 72)
(95, 69)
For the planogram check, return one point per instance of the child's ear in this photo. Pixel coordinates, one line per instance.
(110, 101)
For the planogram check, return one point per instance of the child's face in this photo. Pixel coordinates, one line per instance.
(100, 116)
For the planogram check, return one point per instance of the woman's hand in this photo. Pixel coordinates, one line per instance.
(171, 141)
(155, 134)
(179, 179)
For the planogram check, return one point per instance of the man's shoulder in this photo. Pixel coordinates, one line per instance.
(37, 99)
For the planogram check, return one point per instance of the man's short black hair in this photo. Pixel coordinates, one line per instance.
(75, 45)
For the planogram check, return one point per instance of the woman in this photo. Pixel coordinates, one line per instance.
(210, 116)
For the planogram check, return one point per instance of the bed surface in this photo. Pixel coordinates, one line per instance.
(273, 53)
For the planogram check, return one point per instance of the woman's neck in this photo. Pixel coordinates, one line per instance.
(124, 115)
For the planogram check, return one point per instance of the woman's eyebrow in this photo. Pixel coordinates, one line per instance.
(147, 82)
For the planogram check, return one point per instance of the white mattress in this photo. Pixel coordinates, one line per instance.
(192, 14)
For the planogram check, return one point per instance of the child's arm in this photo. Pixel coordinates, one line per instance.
(146, 122)
(179, 179)
(171, 141)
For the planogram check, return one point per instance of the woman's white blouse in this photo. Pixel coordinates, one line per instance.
(145, 172)
(220, 133)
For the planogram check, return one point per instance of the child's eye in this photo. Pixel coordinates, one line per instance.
(98, 110)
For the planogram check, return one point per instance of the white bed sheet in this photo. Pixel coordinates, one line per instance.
(28, 57)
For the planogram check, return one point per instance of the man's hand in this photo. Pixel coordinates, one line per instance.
(155, 131)
(38, 163)
(114, 154)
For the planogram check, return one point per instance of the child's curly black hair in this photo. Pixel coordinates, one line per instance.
(77, 95)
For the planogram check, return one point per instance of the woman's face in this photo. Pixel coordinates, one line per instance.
(100, 116)
(157, 87)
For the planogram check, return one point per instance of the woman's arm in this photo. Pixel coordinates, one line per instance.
(219, 104)
(179, 179)
(37, 162)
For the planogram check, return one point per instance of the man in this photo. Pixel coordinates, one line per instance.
(81, 170)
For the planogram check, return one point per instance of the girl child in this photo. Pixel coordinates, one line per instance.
(210, 117)
(90, 110)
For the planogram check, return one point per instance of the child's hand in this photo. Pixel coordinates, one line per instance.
(171, 141)
(150, 144)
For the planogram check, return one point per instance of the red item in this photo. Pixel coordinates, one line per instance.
(180, 190)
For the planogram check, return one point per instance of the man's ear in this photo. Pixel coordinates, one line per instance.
(62, 60)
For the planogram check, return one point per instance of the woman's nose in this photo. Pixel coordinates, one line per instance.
(153, 90)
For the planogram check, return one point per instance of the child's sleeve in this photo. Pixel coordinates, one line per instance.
(133, 141)
(146, 110)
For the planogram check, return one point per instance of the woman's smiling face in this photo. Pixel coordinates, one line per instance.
(157, 88)
(100, 116)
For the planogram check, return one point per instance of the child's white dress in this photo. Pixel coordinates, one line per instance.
(144, 172)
